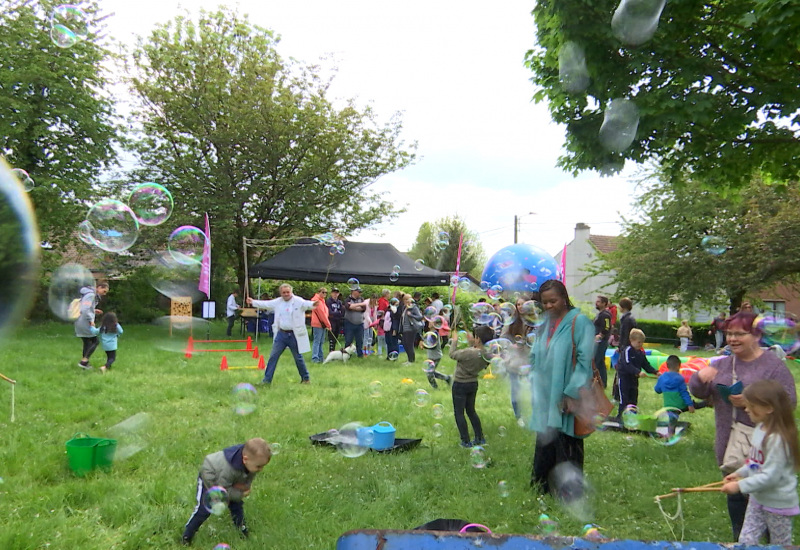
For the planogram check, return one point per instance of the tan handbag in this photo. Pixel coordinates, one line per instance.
(738, 448)
(593, 402)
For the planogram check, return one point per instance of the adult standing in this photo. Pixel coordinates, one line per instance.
(335, 316)
(320, 324)
(290, 330)
(718, 330)
(602, 330)
(436, 302)
(561, 361)
(517, 332)
(412, 324)
(383, 301)
(747, 363)
(354, 308)
(90, 299)
(230, 310)
(684, 332)
(392, 331)
(627, 322)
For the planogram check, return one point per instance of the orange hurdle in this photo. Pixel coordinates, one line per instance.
(261, 365)
(190, 349)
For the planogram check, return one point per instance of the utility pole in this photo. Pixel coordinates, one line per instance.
(516, 224)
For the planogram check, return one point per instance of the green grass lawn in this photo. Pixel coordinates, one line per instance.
(308, 495)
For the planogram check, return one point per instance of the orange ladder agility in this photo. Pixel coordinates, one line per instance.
(191, 342)
(224, 364)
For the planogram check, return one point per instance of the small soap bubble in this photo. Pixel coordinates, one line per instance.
(430, 340)
(85, 233)
(438, 430)
(599, 421)
(421, 398)
(353, 284)
(24, 178)
(446, 311)
(635, 21)
(186, 244)
(396, 268)
(547, 526)
(630, 417)
(442, 241)
(477, 457)
(174, 279)
(394, 276)
(464, 284)
(68, 25)
(485, 286)
(524, 370)
(64, 295)
(428, 366)
(245, 397)
(620, 122)
(502, 488)
(419, 265)
(216, 500)
(222, 546)
(495, 292)
(152, 203)
(508, 312)
(453, 280)
(353, 439)
(429, 313)
(132, 435)
(375, 388)
(438, 322)
(112, 225)
(462, 341)
(276, 448)
(438, 410)
(393, 356)
(502, 431)
(667, 432)
(713, 245)
(530, 339)
(572, 71)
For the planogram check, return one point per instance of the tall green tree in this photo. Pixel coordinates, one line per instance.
(716, 86)
(698, 246)
(56, 121)
(233, 129)
(437, 245)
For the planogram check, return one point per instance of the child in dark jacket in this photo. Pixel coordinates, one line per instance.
(469, 362)
(632, 362)
(672, 385)
(233, 469)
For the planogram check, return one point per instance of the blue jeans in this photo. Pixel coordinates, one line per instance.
(316, 347)
(513, 380)
(282, 341)
(354, 331)
(392, 344)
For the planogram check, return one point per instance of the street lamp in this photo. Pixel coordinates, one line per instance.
(516, 223)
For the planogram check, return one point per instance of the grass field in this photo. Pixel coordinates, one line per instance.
(308, 495)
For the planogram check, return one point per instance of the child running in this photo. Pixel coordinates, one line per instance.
(768, 475)
(110, 330)
(469, 362)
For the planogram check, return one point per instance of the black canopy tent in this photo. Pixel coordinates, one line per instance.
(370, 263)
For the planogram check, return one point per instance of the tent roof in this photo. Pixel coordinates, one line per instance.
(370, 263)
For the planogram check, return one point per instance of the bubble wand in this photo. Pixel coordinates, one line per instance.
(13, 385)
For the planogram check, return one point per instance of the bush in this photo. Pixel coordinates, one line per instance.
(664, 331)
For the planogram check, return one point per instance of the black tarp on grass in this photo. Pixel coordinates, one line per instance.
(370, 263)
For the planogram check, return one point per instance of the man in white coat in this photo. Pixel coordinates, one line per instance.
(290, 330)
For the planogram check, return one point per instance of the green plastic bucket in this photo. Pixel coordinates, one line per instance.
(85, 453)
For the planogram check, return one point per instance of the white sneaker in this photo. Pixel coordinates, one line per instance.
(87, 366)
(520, 423)
(103, 369)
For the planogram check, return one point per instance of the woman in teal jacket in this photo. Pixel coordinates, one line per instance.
(555, 386)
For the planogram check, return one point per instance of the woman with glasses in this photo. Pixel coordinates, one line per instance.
(747, 363)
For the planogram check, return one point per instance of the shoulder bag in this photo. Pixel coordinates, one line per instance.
(593, 402)
(738, 448)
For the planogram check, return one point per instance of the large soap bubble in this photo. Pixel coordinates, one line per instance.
(186, 244)
(68, 25)
(152, 203)
(112, 225)
(353, 439)
(20, 245)
(64, 294)
(620, 122)
(519, 268)
(636, 21)
(572, 71)
(174, 279)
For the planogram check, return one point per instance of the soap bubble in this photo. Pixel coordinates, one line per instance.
(485, 286)
(421, 398)
(495, 292)
(428, 366)
(393, 355)
(186, 244)
(429, 313)
(172, 332)
(352, 440)
(353, 284)
(572, 71)
(19, 240)
(502, 431)
(222, 546)
(438, 430)
(477, 457)
(570, 487)
(152, 203)
(442, 241)
(620, 122)
(446, 310)
(68, 25)
(524, 370)
(599, 422)
(530, 339)
(497, 366)
(461, 340)
(112, 225)
(438, 322)
(502, 488)
(636, 21)
(375, 388)
(430, 340)
(24, 178)
(64, 295)
(438, 410)
(396, 268)
(499, 347)
(85, 233)
(419, 264)
(531, 313)
(244, 398)
(464, 284)
(174, 279)
(667, 432)
(508, 312)
(713, 245)
(630, 417)
(547, 526)
(480, 312)
(216, 500)
(132, 435)
(453, 280)
(781, 331)
(276, 448)
(394, 276)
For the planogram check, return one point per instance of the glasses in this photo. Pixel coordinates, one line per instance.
(730, 334)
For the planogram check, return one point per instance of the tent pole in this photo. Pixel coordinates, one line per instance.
(246, 278)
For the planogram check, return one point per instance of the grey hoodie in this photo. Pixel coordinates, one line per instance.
(83, 324)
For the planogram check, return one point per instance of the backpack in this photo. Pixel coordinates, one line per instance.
(74, 309)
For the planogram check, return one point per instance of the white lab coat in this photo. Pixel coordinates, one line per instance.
(297, 308)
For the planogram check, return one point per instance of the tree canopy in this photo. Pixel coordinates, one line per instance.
(699, 246)
(233, 129)
(716, 86)
(441, 252)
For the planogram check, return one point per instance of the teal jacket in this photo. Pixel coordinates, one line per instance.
(552, 376)
(107, 340)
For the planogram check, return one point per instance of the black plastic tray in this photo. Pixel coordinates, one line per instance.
(399, 444)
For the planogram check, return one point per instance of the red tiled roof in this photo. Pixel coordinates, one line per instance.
(604, 243)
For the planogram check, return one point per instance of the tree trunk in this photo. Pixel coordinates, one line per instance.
(736, 301)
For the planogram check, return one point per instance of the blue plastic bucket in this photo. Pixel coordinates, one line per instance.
(383, 436)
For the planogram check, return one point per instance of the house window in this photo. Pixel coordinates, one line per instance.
(776, 308)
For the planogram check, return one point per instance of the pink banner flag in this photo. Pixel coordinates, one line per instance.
(563, 277)
(205, 265)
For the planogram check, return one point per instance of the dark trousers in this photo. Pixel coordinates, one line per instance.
(231, 321)
(554, 448)
(201, 513)
(111, 356)
(464, 394)
(333, 334)
(737, 506)
(353, 331)
(392, 344)
(409, 337)
(600, 361)
(434, 374)
(628, 391)
(89, 345)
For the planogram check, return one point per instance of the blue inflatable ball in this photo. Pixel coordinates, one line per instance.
(520, 268)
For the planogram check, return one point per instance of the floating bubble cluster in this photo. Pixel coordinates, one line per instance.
(635, 21)
(572, 71)
(620, 122)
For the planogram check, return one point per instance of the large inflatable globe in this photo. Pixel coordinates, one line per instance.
(519, 268)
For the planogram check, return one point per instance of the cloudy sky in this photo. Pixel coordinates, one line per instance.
(455, 71)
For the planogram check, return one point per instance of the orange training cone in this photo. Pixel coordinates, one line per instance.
(249, 343)
(255, 352)
(224, 364)
(261, 364)
(189, 347)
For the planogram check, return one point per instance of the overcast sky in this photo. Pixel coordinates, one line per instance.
(455, 70)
